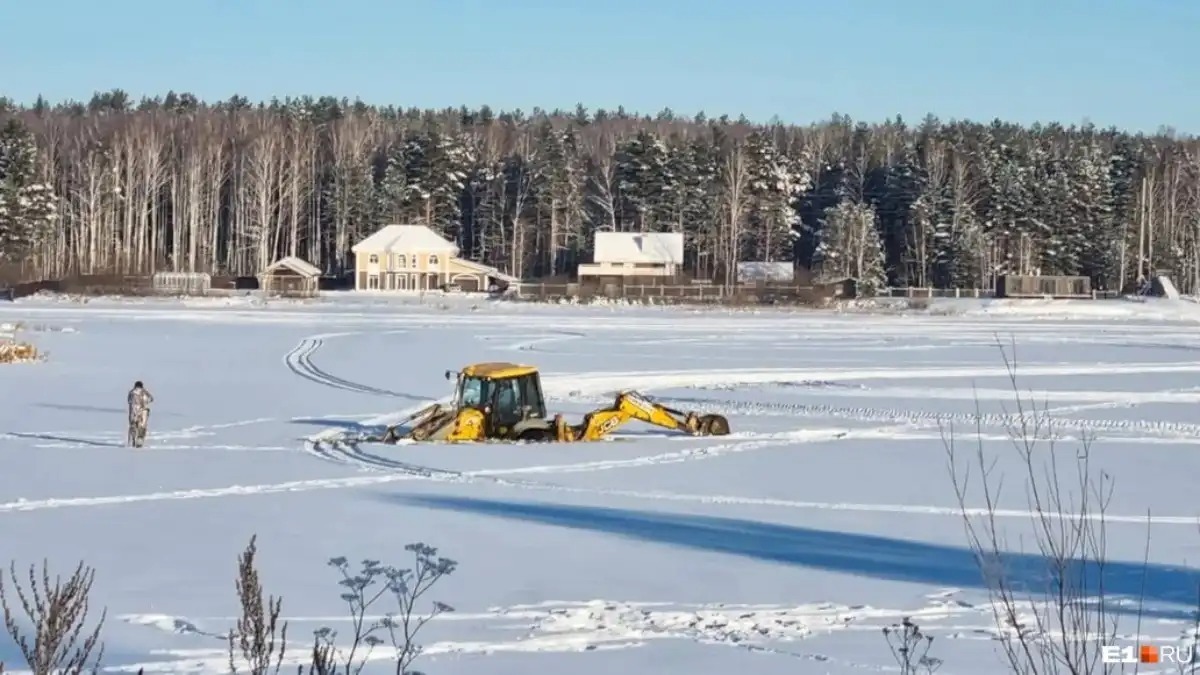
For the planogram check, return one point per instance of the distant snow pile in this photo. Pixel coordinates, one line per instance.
(249, 299)
(604, 301)
(1132, 308)
(879, 305)
(1146, 309)
(617, 624)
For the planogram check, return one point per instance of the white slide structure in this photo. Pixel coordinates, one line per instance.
(1168, 288)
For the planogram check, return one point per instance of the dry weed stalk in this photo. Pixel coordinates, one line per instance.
(259, 638)
(366, 587)
(57, 612)
(13, 350)
(910, 648)
(18, 352)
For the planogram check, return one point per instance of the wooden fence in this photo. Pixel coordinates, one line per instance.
(110, 284)
(915, 292)
(695, 293)
(145, 285)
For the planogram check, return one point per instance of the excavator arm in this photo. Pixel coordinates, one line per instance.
(631, 405)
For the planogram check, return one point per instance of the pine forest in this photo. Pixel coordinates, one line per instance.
(117, 186)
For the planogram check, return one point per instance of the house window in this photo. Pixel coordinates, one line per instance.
(400, 262)
(433, 260)
(374, 260)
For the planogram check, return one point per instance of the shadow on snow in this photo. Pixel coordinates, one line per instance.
(68, 439)
(68, 407)
(849, 553)
(348, 425)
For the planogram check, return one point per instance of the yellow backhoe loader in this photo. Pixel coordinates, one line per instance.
(504, 402)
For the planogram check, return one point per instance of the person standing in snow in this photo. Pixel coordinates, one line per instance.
(139, 400)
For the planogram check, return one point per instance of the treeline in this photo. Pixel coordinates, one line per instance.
(173, 183)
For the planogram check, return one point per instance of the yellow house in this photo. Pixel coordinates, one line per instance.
(415, 258)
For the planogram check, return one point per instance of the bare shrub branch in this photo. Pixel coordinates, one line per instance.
(258, 638)
(1059, 627)
(57, 612)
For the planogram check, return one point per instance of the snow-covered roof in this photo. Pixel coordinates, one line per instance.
(297, 265)
(405, 239)
(765, 271)
(638, 247)
(480, 268)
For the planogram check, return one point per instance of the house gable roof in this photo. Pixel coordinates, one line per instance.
(297, 265)
(405, 239)
(638, 247)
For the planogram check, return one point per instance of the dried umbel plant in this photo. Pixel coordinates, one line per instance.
(56, 613)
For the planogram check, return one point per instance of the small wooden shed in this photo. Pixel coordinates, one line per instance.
(291, 277)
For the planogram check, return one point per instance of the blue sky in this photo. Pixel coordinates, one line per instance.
(1129, 63)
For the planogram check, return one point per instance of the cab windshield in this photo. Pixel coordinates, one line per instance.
(511, 399)
(476, 392)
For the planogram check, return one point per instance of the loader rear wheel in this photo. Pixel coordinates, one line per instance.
(536, 435)
(714, 425)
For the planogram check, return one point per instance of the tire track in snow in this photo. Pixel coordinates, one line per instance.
(600, 382)
(895, 415)
(353, 454)
(531, 343)
(587, 385)
(299, 361)
(494, 477)
(400, 472)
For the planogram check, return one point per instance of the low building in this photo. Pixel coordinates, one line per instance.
(631, 256)
(1037, 286)
(415, 258)
(290, 276)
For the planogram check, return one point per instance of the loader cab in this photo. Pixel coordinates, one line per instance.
(505, 393)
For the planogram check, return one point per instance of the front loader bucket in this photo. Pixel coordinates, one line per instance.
(431, 424)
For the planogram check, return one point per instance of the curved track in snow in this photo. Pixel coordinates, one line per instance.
(928, 417)
(335, 445)
(299, 361)
(345, 452)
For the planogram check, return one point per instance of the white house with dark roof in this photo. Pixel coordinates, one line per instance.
(415, 258)
(635, 254)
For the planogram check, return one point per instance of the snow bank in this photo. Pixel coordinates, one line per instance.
(1146, 309)
(1130, 308)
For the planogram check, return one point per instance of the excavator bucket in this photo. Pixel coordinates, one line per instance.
(713, 425)
(702, 425)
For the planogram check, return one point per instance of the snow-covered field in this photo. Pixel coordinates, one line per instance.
(783, 548)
